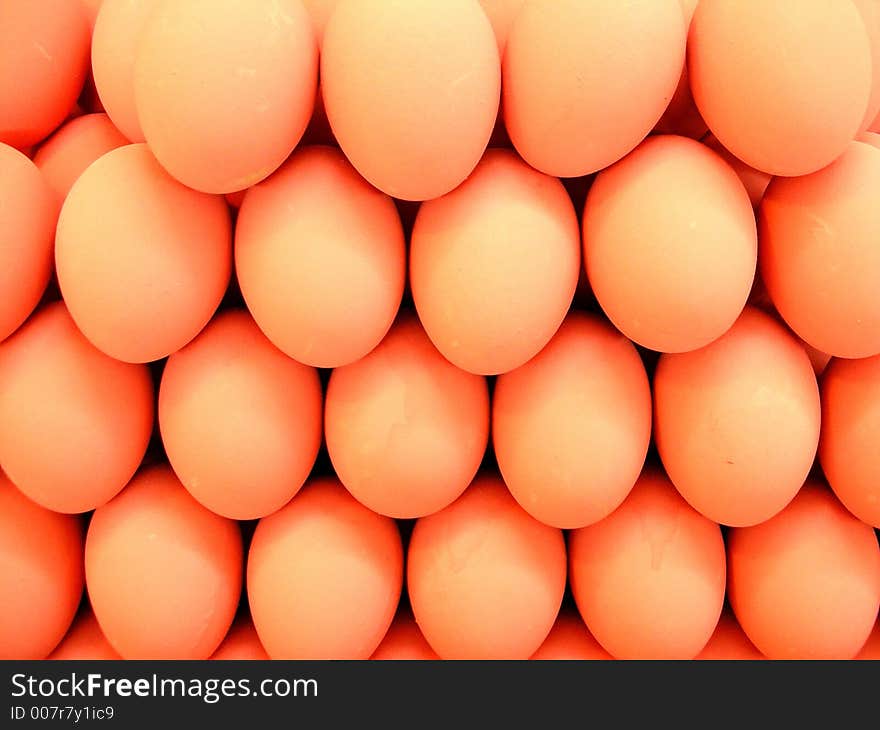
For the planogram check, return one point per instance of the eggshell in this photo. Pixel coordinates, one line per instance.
(142, 261)
(737, 422)
(324, 576)
(870, 12)
(782, 84)
(68, 152)
(850, 430)
(321, 259)
(570, 639)
(819, 254)
(485, 579)
(571, 427)
(754, 181)
(42, 577)
(406, 429)
(501, 14)
(27, 229)
(411, 91)
(584, 82)
(404, 641)
(729, 642)
(115, 41)
(44, 56)
(85, 641)
(494, 265)
(649, 578)
(670, 244)
(871, 650)
(240, 643)
(241, 421)
(806, 583)
(681, 115)
(74, 423)
(224, 88)
(163, 573)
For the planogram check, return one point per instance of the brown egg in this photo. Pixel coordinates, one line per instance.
(27, 231)
(44, 56)
(404, 641)
(115, 40)
(240, 643)
(85, 641)
(321, 259)
(850, 429)
(42, 577)
(406, 429)
(411, 91)
(74, 423)
(571, 427)
(729, 642)
(570, 639)
(649, 578)
(163, 573)
(324, 576)
(670, 244)
(485, 578)
(224, 89)
(494, 265)
(67, 153)
(585, 82)
(241, 421)
(501, 14)
(806, 583)
(870, 11)
(737, 422)
(142, 261)
(819, 257)
(784, 86)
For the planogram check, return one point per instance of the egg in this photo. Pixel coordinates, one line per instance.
(224, 89)
(806, 583)
(163, 573)
(570, 639)
(737, 422)
(241, 643)
(28, 214)
(729, 642)
(805, 69)
(571, 427)
(406, 429)
(681, 115)
(754, 181)
(75, 146)
(42, 578)
(649, 579)
(44, 57)
(321, 259)
(670, 244)
(142, 261)
(324, 576)
(585, 82)
(819, 257)
(871, 649)
(485, 578)
(501, 14)
(74, 423)
(85, 641)
(870, 12)
(494, 265)
(320, 12)
(91, 8)
(411, 90)
(404, 641)
(115, 40)
(240, 421)
(850, 427)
